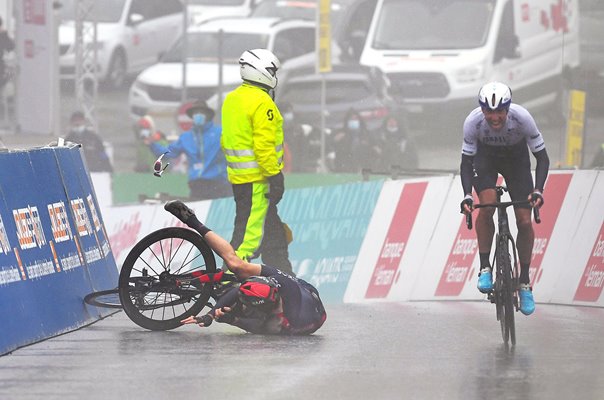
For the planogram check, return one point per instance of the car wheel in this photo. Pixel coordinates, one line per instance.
(116, 75)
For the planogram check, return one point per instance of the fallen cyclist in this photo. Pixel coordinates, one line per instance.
(267, 301)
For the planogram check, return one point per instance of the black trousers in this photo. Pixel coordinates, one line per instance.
(259, 230)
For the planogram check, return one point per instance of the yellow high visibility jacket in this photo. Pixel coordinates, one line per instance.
(252, 135)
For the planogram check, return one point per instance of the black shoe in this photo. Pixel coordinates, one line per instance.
(179, 210)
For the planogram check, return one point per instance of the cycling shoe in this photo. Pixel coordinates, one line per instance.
(485, 280)
(527, 303)
(179, 210)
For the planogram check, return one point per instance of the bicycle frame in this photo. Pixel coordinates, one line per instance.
(505, 291)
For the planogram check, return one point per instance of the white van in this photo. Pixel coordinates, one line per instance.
(437, 53)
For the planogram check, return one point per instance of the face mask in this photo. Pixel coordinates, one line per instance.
(145, 133)
(354, 124)
(78, 128)
(199, 119)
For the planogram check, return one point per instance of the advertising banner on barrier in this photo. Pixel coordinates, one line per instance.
(90, 235)
(328, 224)
(346, 236)
(579, 274)
(396, 239)
(46, 269)
(592, 280)
(394, 248)
(127, 225)
(554, 193)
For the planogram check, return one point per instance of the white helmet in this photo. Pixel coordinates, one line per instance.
(495, 96)
(259, 66)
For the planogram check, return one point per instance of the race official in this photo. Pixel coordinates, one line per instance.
(252, 142)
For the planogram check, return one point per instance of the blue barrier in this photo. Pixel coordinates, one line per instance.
(53, 246)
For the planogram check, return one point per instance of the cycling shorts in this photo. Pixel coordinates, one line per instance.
(302, 306)
(512, 162)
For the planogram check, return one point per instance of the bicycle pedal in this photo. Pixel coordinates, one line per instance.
(491, 297)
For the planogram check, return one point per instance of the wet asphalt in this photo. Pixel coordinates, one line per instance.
(431, 350)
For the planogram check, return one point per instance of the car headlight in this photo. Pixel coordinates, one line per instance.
(470, 74)
(138, 85)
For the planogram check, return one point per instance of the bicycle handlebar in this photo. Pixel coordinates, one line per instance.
(502, 204)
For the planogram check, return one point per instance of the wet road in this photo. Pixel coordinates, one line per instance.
(450, 350)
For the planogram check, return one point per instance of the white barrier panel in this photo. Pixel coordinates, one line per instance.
(581, 276)
(101, 181)
(450, 266)
(569, 192)
(438, 261)
(397, 237)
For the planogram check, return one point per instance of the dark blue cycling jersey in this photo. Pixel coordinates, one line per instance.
(303, 311)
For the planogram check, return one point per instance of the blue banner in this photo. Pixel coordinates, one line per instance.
(53, 247)
(328, 223)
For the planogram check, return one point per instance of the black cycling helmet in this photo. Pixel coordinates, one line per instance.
(260, 292)
(495, 96)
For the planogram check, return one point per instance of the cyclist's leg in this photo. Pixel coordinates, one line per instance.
(519, 181)
(485, 225)
(485, 229)
(520, 184)
(524, 241)
(242, 268)
(484, 182)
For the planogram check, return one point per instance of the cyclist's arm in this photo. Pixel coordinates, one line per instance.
(173, 150)
(468, 151)
(466, 171)
(542, 169)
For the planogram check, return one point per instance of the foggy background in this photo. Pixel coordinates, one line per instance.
(435, 150)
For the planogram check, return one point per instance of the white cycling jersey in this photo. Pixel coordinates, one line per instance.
(519, 126)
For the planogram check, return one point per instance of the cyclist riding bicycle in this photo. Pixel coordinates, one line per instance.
(267, 301)
(496, 139)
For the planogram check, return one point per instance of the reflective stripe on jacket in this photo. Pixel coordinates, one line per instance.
(252, 135)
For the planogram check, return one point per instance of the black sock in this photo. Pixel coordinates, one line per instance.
(524, 273)
(484, 260)
(196, 224)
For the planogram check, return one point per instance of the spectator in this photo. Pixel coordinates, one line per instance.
(598, 161)
(393, 147)
(143, 131)
(92, 145)
(201, 144)
(6, 44)
(302, 144)
(350, 148)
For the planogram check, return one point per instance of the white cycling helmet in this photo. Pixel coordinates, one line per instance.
(495, 96)
(259, 66)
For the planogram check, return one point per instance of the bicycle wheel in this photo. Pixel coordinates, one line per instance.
(104, 298)
(504, 266)
(150, 290)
